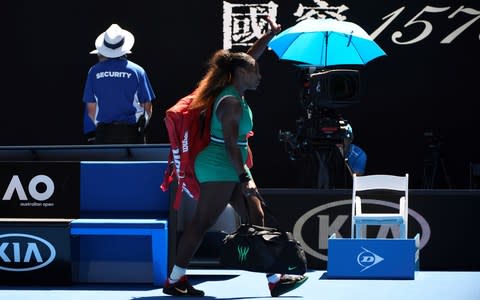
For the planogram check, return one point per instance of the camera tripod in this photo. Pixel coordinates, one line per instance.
(321, 129)
(431, 164)
(333, 169)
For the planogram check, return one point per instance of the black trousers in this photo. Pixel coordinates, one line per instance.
(119, 134)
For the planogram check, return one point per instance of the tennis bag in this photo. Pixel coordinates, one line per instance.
(263, 249)
(189, 133)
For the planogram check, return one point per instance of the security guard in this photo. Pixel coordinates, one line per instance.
(117, 93)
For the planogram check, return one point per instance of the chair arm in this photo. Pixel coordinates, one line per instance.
(358, 205)
(403, 208)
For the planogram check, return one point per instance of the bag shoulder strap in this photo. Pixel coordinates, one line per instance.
(265, 209)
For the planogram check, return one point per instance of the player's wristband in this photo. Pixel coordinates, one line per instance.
(244, 177)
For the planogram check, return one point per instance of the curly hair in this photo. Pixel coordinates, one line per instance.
(220, 73)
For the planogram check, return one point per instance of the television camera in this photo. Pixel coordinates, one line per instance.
(321, 130)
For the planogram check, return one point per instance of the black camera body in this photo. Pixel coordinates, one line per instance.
(321, 126)
(322, 134)
(334, 88)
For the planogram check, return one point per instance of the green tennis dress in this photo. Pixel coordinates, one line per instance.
(213, 163)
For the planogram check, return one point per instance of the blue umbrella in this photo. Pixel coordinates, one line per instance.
(325, 42)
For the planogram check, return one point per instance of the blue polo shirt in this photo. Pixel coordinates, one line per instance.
(118, 86)
(357, 159)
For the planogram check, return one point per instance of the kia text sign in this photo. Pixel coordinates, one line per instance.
(39, 190)
(313, 216)
(21, 252)
(334, 218)
(35, 252)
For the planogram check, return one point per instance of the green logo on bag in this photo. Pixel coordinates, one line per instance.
(242, 253)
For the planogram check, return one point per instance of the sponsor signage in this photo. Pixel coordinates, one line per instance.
(441, 218)
(35, 252)
(334, 218)
(371, 258)
(39, 190)
(20, 252)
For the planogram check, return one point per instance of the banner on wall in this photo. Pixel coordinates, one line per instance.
(40, 190)
(441, 218)
(407, 79)
(412, 23)
(35, 253)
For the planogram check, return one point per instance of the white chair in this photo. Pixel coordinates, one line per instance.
(386, 183)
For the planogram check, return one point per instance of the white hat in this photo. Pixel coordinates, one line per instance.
(114, 42)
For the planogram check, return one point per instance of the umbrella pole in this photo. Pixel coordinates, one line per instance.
(326, 47)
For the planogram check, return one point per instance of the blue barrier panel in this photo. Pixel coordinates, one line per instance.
(123, 224)
(123, 189)
(157, 230)
(371, 258)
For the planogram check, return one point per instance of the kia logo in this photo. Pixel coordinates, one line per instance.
(327, 227)
(23, 252)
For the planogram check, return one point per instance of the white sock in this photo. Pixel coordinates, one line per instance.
(177, 273)
(273, 278)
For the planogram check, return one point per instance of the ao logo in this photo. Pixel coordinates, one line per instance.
(326, 227)
(24, 252)
(15, 185)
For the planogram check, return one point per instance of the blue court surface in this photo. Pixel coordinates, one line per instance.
(233, 284)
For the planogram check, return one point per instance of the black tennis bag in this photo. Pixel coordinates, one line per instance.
(263, 249)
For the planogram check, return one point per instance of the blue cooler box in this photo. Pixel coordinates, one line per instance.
(372, 258)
